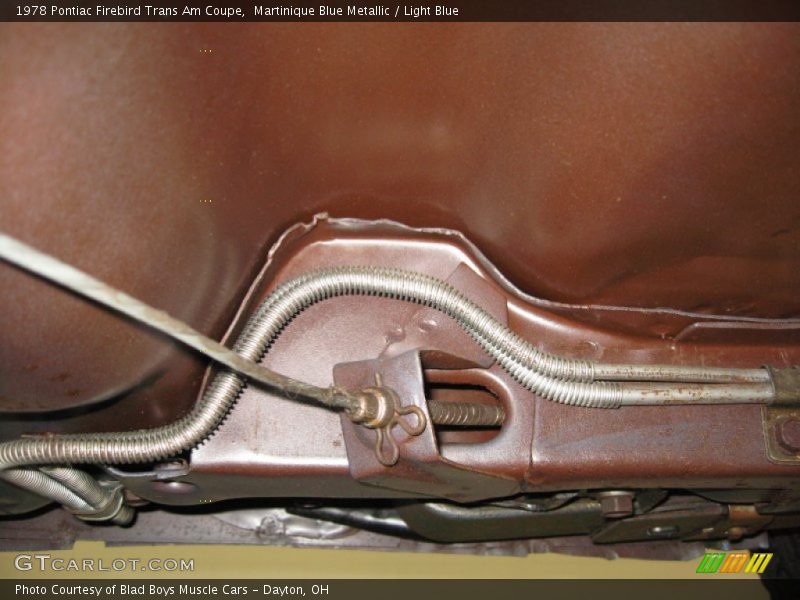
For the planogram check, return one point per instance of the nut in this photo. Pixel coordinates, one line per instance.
(616, 504)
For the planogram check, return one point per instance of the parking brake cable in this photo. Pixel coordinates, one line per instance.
(568, 381)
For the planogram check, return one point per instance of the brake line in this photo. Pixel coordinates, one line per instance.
(572, 382)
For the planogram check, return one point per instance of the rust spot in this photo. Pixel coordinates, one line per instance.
(63, 376)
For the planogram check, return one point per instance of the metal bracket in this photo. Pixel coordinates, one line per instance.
(419, 467)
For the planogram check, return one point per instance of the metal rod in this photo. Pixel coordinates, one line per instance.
(83, 284)
(465, 414)
(678, 373)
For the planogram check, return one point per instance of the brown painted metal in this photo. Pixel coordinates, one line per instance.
(781, 424)
(444, 344)
(620, 164)
(633, 188)
(422, 470)
(268, 447)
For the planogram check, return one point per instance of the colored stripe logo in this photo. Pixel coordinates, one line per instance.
(734, 562)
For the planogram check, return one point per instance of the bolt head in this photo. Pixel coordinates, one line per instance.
(787, 433)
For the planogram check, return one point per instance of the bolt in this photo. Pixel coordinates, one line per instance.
(787, 432)
(616, 504)
(465, 414)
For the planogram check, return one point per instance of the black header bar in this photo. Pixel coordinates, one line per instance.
(236, 11)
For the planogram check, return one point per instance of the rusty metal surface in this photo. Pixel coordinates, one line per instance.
(648, 165)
